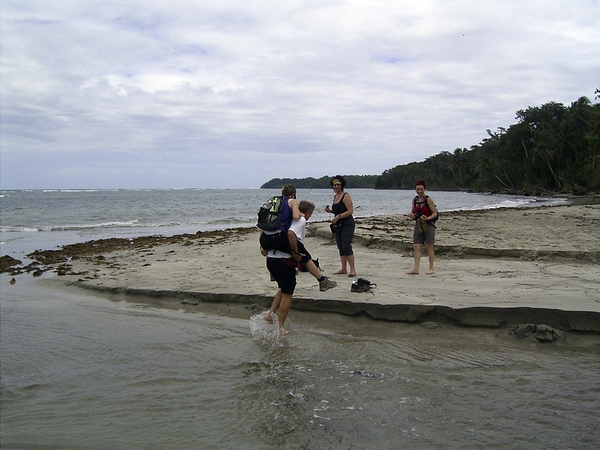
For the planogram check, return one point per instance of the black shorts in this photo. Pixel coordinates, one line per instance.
(302, 250)
(284, 272)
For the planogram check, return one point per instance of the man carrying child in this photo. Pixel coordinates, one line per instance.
(282, 265)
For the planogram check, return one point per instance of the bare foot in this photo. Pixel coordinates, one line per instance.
(340, 272)
(268, 317)
(413, 272)
(352, 274)
(430, 272)
(283, 332)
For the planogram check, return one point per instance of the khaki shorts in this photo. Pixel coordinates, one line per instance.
(424, 238)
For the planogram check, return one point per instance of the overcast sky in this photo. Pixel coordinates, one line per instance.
(229, 94)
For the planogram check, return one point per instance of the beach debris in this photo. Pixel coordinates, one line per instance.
(538, 333)
(8, 264)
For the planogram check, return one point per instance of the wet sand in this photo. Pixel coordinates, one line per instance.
(496, 268)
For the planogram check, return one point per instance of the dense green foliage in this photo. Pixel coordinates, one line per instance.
(552, 149)
(352, 181)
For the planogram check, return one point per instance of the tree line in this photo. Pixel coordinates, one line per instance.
(551, 149)
(352, 181)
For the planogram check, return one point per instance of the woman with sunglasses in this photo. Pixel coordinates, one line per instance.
(343, 222)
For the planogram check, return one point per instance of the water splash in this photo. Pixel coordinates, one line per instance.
(267, 333)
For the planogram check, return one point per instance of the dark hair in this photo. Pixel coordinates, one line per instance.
(340, 179)
(305, 206)
(288, 190)
(421, 182)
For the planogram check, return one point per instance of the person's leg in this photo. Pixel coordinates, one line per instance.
(431, 255)
(312, 268)
(276, 302)
(429, 241)
(418, 239)
(347, 233)
(417, 253)
(343, 259)
(285, 275)
(284, 308)
(350, 259)
(308, 262)
(324, 282)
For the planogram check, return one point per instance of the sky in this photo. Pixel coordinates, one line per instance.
(137, 94)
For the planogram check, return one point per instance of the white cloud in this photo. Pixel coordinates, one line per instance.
(230, 94)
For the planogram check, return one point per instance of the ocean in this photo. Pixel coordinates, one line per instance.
(83, 370)
(43, 219)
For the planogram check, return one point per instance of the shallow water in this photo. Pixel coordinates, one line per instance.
(85, 371)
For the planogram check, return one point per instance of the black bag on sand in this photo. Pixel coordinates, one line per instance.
(362, 285)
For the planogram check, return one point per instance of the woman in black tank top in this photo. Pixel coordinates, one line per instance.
(342, 209)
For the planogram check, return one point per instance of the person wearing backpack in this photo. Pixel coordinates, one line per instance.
(424, 213)
(280, 268)
(277, 238)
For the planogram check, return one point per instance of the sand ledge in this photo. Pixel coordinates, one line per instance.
(584, 321)
(496, 268)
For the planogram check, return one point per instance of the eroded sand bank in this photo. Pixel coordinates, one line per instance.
(493, 268)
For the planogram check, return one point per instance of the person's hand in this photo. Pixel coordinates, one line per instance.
(297, 256)
(263, 252)
(328, 209)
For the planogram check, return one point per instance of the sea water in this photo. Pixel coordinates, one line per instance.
(82, 370)
(44, 219)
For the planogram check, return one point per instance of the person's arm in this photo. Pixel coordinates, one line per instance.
(412, 211)
(262, 250)
(294, 232)
(293, 204)
(293, 239)
(431, 205)
(349, 206)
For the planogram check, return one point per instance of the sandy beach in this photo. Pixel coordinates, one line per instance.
(496, 268)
